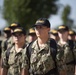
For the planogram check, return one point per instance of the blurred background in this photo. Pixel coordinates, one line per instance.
(26, 12)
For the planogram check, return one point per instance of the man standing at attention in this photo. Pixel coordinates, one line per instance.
(65, 55)
(41, 61)
(12, 61)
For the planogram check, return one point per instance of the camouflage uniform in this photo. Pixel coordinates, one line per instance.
(75, 50)
(10, 42)
(14, 63)
(64, 59)
(6, 44)
(41, 61)
(75, 55)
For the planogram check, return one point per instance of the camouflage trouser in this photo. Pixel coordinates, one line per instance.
(69, 70)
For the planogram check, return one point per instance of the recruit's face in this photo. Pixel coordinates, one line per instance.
(41, 31)
(19, 38)
(32, 38)
(63, 35)
(71, 37)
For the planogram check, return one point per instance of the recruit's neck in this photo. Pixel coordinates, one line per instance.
(43, 40)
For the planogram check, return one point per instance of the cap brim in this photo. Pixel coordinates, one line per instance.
(7, 31)
(71, 34)
(12, 27)
(62, 30)
(32, 34)
(38, 25)
(56, 34)
(17, 32)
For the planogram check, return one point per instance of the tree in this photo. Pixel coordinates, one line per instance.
(65, 14)
(65, 17)
(26, 12)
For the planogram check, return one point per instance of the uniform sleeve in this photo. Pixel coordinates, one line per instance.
(5, 61)
(3, 48)
(25, 61)
(75, 52)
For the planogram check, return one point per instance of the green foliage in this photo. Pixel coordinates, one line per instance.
(65, 14)
(26, 12)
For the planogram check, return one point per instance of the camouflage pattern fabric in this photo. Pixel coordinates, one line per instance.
(41, 59)
(75, 51)
(5, 45)
(10, 42)
(75, 55)
(14, 63)
(64, 57)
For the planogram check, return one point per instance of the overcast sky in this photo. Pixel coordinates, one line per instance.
(55, 19)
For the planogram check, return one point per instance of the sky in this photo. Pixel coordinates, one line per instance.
(2, 21)
(55, 20)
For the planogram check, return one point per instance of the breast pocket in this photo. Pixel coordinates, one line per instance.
(11, 58)
(60, 54)
(48, 62)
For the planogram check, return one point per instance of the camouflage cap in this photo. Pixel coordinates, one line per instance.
(63, 28)
(54, 32)
(72, 32)
(14, 25)
(42, 22)
(6, 30)
(31, 31)
(19, 30)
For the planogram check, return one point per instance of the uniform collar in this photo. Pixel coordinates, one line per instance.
(36, 46)
(67, 43)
